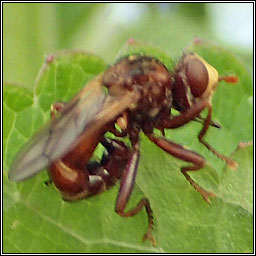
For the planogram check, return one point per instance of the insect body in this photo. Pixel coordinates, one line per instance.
(141, 93)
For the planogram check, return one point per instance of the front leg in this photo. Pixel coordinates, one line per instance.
(186, 155)
(127, 184)
(190, 114)
(202, 120)
(184, 117)
(207, 122)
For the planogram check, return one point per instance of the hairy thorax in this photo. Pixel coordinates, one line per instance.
(148, 77)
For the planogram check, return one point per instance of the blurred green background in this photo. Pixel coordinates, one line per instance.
(31, 31)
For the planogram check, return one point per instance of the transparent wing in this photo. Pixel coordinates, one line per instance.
(90, 109)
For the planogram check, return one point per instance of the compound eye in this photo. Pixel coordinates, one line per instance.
(197, 76)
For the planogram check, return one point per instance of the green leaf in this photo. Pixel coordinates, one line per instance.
(242, 177)
(36, 219)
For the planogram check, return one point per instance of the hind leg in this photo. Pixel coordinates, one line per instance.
(197, 161)
(126, 187)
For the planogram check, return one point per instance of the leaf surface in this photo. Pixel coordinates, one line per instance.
(36, 219)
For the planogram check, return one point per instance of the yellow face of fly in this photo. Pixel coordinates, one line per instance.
(213, 77)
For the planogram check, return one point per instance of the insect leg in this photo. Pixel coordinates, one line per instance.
(207, 121)
(127, 183)
(201, 120)
(113, 162)
(186, 155)
(184, 117)
(191, 114)
(117, 133)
